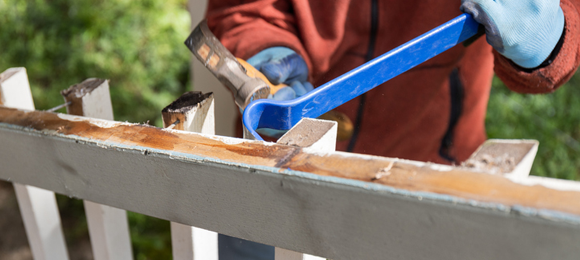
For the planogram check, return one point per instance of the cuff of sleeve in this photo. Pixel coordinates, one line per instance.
(549, 78)
(553, 55)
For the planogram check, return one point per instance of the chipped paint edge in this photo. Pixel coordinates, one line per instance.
(550, 215)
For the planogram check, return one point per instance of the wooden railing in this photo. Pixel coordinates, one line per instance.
(298, 194)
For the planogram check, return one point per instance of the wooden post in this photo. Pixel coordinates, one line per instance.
(313, 135)
(193, 112)
(38, 206)
(108, 227)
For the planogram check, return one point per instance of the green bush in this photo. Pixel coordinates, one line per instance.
(138, 45)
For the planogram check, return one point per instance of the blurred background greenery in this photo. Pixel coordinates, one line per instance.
(138, 45)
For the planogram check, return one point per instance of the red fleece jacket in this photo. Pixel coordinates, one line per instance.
(434, 112)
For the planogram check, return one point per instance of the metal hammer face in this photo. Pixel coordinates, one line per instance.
(209, 50)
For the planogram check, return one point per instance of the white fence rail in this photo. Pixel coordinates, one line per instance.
(291, 195)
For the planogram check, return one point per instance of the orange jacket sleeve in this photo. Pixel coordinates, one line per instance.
(549, 78)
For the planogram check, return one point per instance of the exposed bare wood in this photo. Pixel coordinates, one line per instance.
(192, 112)
(507, 157)
(312, 203)
(37, 206)
(90, 98)
(108, 227)
(313, 135)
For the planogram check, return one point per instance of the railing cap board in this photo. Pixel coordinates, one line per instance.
(409, 176)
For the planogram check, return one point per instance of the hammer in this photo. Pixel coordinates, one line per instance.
(244, 81)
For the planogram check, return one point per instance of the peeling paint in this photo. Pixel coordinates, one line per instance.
(99, 123)
(418, 180)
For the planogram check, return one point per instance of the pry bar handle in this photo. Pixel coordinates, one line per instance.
(283, 115)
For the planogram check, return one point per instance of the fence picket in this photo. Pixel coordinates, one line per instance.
(37, 206)
(108, 227)
(321, 137)
(192, 112)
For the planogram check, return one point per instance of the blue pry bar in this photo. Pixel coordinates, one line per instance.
(283, 115)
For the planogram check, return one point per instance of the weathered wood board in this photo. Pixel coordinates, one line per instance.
(329, 204)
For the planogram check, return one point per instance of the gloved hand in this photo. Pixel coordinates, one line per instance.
(282, 65)
(524, 31)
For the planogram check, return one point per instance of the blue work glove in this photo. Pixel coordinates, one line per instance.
(282, 65)
(524, 31)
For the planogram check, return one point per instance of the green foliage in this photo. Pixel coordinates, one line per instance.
(553, 119)
(150, 236)
(138, 45)
(74, 221)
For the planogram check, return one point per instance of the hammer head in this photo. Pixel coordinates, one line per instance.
(209, 50)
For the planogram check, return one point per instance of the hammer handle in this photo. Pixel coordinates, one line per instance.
(254, 73)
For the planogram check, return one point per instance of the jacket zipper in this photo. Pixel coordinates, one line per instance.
(369, 56)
